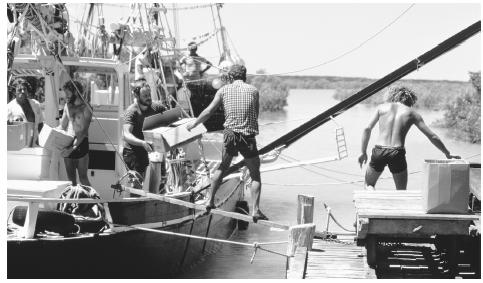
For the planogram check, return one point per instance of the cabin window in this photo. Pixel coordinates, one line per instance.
(102, 88)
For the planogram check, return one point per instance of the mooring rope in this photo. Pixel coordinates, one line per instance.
(255, 245)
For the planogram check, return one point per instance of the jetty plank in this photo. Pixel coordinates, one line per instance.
(329, 259)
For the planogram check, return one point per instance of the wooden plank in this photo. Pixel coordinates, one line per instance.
(300, 236)
(337, 260)
(234, 215)
(305, 209)
(297, 264)
(30, 220)
(408, 214)
(417, 227)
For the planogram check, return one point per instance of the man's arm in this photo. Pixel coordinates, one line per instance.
(435, 140)
(366, 135)
(208, 65)
(64, 121)
(132, 140)
(206, 114)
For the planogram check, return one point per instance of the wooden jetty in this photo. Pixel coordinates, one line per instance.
(389, 218)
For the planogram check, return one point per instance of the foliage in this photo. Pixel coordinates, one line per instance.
(463, 115)
(273, 92)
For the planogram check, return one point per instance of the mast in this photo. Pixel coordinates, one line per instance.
(226, 50)
(368, 91)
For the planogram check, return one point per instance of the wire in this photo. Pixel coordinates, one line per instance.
(343, 54)
(337, 57)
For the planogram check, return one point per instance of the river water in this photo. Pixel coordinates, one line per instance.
(325, 182)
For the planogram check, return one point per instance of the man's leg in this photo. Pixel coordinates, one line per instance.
(253, 165)
(82, 166)
(401, 180)
(371, 177)
(70, 170)
(218, 177)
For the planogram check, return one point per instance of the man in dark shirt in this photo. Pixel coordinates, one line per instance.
(136, 149)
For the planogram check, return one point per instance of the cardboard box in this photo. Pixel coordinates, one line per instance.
(446, 186)
(54, 139)
(164, 138)
(16, 136)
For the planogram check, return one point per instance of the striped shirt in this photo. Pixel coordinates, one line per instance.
(240, 103)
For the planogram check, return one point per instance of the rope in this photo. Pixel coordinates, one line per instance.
(345, 53)
(337, 57)
(255, 245)
(329, 211)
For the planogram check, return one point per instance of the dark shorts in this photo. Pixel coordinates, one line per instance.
(234, 142)
(136, 159)
(81, 150)
(394, 157)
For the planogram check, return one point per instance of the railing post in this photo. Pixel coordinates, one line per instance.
(30, 220)
(305, 210)
(300, 241)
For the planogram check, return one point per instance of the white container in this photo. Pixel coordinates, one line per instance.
(54, 139)
(446, 186)
(164, 138)
(16, 136)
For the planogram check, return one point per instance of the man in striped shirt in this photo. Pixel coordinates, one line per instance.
(240, 104)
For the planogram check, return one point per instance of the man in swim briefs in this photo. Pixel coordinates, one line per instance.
(77, 119)
(395, 119)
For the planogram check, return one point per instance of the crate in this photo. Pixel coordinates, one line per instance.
(164, 138)
(54, 139)
(19, 135)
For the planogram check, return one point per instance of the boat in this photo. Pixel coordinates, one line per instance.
(144, 237)
(44, 242)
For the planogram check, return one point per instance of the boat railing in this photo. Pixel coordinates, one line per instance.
(33, 203)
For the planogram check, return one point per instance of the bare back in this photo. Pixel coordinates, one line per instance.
(395, 120)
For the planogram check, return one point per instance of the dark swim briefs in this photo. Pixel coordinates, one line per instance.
(81, 150)
(394, 157)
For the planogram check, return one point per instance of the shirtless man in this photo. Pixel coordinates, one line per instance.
(395, 119)
(77, 118)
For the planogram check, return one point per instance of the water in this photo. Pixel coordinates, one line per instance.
(280, 188)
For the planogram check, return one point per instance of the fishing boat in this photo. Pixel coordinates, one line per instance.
(142, 236)
(44, 242)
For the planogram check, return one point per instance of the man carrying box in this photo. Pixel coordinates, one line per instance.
(135, 152)
(395, 119)
(77, 116)
(240, 103)
(25, 109)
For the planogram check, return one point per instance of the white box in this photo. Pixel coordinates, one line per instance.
(16, 136)
(30, 163)
(164, 138)
(446, 186)
(54, 139)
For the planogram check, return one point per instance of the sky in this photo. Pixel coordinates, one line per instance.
(286, 37)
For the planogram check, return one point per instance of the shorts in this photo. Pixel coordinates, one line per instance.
(394, 157)
(81, 150)
(234, 142)
(136, 159)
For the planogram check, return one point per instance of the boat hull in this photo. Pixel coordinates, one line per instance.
(129, 253)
